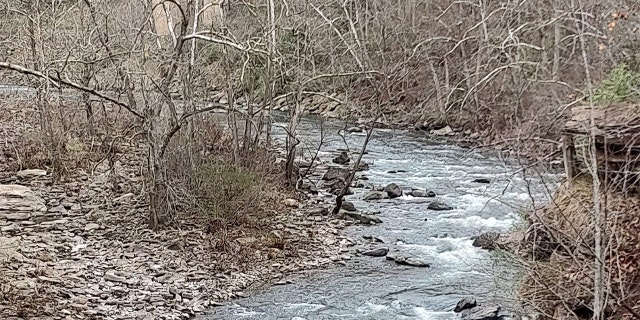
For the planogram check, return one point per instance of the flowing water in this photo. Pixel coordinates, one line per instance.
(373, 288)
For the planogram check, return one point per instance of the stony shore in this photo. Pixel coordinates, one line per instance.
(79, 248)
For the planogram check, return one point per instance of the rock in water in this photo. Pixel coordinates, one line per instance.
(464, 304)
(393, 190)
(335, 173)
(375, 195)
(407, 260)
(363, 166)
(422, 193)
(343, 158)
(482, 180)
(439, 206)
(377, 252)
(364, 218)
(486, 240)
(348, 206)
(483, 312)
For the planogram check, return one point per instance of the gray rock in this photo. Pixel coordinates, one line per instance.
(486, 240)
(439, 206)
(393, 190)
(422, 193)
(31, 173)
(114, 278)
(91, 226)
(362, 166)
(16, 198)
(354, 130)
(483, 312)
(482, 180)
(377, 252)
(348, 206)
(335, 173)
(407, 260)
(17, 216)
(442, 132)
(364, 218)
(375, 195)
(464, 304)
(318, 212)
(343, 158)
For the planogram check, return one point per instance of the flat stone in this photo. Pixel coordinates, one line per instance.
(293, 203)
(439, 206)
(375, 195)
(364, 218)
(20, 198)
(31, 173)
(422, 194)
(377, 252)
(91, 226)
(407, 260)
(17, 216)
(114, 278)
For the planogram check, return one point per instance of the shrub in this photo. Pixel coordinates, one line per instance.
(228, 193)
(621, 85)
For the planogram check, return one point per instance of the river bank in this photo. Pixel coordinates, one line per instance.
(78, 247)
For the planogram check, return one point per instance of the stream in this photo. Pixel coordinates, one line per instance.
(373, 288)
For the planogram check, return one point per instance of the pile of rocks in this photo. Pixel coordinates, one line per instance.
(80, 249)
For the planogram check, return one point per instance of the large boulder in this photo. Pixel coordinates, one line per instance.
(486, 240)
(19, 203)
(393, 190)
(343, 158)
(335, 173)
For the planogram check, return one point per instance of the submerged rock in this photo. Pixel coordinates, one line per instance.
(393, 190)
(439, 206)
(407, 260)
(486, 240)
(377, 252)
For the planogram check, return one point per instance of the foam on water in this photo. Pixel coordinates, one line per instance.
(424, 314)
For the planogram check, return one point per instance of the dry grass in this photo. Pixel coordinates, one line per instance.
(559, 278)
